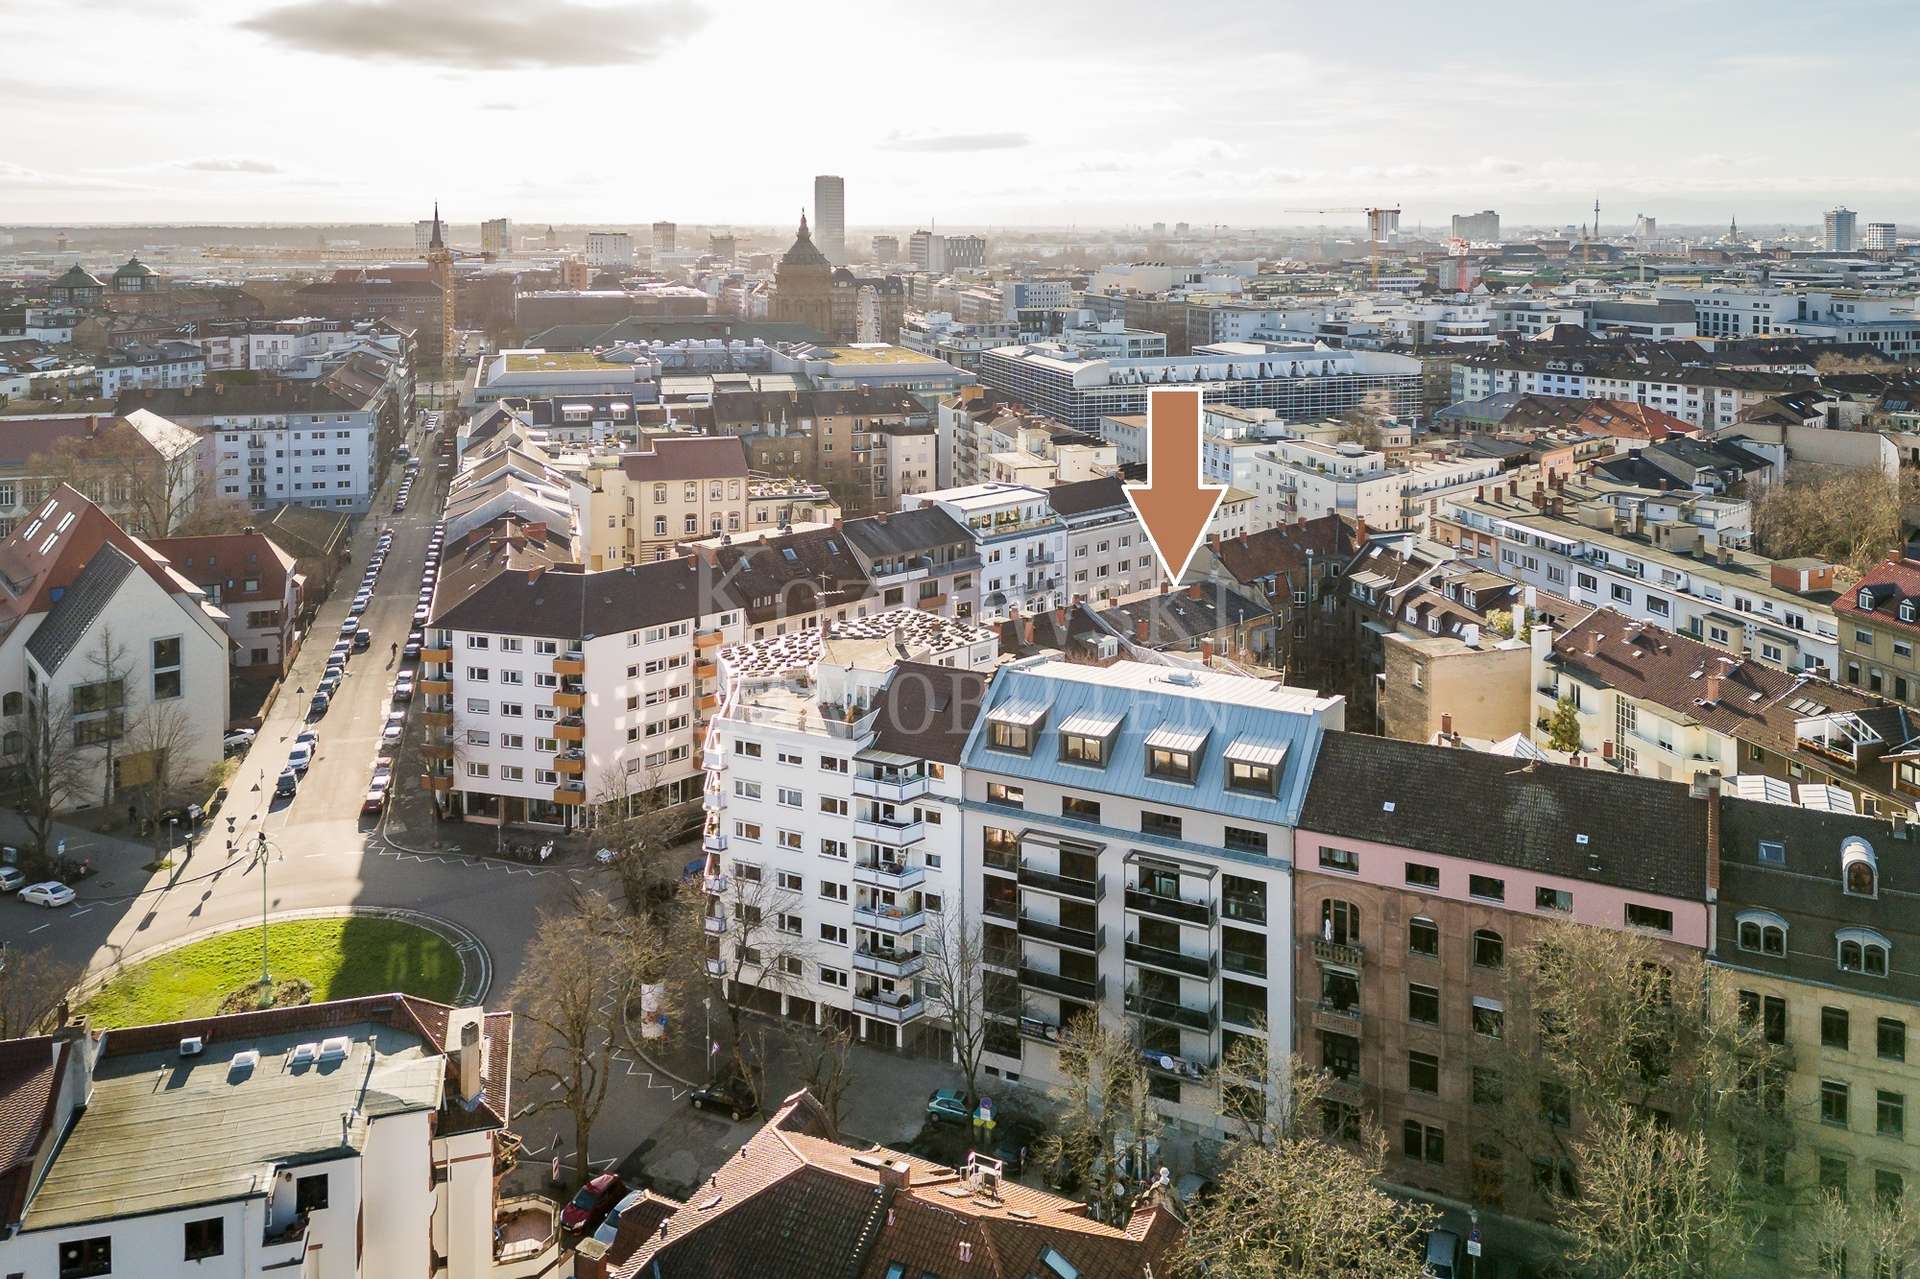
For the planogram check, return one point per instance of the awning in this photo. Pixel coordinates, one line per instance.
(1245, 750)
(1092, 723)
(1019, 714)
(1169, 738)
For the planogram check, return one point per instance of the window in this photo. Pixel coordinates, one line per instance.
(835, 848)
(1423, 1073)
(789, 757)
(1761, 932)
(1833, 1028)
(1772, 853)
(206, 1238)
(1556, 1104)
(1170, 765)
(1891, 1039)
(310, 1194)
(833, 805)
(1241, 840)
(80, 1258)
(1082, 748)
(1489, 1086)
(1423, 937)
(1423, 1143)
(833, 977)
(1833, 1102)
(1557, 900)
(790, 840)
(833, 934)
(1003, 736)
(1859, 871)
(749, 831)
(744, 789)
(749, 749)
(1011, 796)
(1489, 949)
(1257, 778)
(1340, 922)
(791, 883)
(790, 798)
(1166, 825)
(1890, 1113)
(1423, 1004)
(1862, 950)
(1833, 1175)
(833, 892)
(1489, 1018)
(1087, 810)
(1419, 876)
(832, 764)
(1649, 917)
(166, 668)
(1340, 859)
(1487, 888)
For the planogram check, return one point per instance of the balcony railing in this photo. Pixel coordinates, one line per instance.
(1341, 1019)
(1245, 910)
(1004, 863)
(892, 790)
(896, 834)
(889, 919)
(1145, 902)
(1351, 954)
(893, 963)
(1090, 939)
(1175, 1067)
(1174, 961)
(1047, 881)
(1173, 1013)
(1059, 984)
(1236, 961)
(887, 1010)
(714, 842)
(570, 728)
(572, 763)
(574, 664)
(714, 924)
(1000, 908)
(569, 794)
(888, 874)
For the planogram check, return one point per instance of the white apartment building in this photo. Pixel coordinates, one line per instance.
(1108, 557)
(833, 828)
(1600, 549)
(545, 688)
(609, 248)
(1296, 479)
(1708, 397)
(1530, 317)
(371, 1134)
(1020, 542)
(1128, 834)
(143, 366)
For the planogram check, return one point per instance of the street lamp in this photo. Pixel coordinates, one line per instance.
(262, 854)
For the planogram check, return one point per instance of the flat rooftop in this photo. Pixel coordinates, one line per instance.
(875, 353)
(561, 362)
(162, 1131)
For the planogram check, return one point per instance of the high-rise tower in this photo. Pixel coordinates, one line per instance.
(830, 217)
(440, 271)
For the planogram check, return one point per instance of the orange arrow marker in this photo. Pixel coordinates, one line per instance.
(1173, 504)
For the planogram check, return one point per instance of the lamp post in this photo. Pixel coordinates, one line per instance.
(261, 856)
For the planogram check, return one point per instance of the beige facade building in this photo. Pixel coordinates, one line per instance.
(1435, 683)
(637, 507)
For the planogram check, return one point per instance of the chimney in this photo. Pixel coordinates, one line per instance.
(1196, 592)
(1606, 749)
(1060, 616)
(1206, 651)
(1710, 791)
(472, 1061)
(1713, 687)
(1593, 643)
(1360, 531)
(1446, 726)
(897, 1173)
(1140, 630)
(1026, 630)
(1009, 636)
(1213, 541)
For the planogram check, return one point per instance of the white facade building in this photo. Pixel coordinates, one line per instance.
(1021, 543)
(609, 248)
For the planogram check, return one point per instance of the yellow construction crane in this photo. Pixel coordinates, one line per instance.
(1377, 231)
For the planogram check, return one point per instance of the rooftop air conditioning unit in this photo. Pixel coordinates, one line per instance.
(335, 1049)
(192, 1046)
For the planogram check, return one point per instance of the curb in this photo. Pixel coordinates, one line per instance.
(476, 964)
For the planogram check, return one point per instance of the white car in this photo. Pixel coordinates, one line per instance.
(300, 757)
(396, 726)
(403, 687)
(51, 893)
(237, 741)
(11, 877)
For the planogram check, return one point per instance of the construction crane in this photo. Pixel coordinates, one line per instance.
(1380, 222)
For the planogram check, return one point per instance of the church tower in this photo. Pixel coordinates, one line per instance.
(440, 271)
(803, 286)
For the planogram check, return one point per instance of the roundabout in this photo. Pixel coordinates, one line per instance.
(321, 954)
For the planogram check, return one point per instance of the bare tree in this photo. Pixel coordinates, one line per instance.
(1846, 516)
(582, 972)
(159, 738)
(33, 985)
(1262, 1091)
(956, 978)
(757, 946)
(1108, 1123)
(118, 469)
(642, 830)
(1657, 1202)
(216, 514)
(1363, 425)
(1878, 1236)
(53, 770)
(99, 706)
(824, 1054)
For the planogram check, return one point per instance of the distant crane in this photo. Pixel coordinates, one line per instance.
(1377, 221)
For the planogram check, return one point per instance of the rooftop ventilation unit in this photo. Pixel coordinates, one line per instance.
(244, 1060)
(192, 1046)
(303, 1055)
(335, 1049)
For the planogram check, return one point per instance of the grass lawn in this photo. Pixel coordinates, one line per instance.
(342, 958)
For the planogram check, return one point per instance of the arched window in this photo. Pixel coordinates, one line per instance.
(1762, 932)
(1339, 921)
(1859, 869)
(1489, 949)
(12, 704)
(1861, 950)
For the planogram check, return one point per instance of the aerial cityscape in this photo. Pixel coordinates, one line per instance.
(1282, 650)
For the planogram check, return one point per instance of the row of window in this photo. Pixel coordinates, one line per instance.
(1491, 888)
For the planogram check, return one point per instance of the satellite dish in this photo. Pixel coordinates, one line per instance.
(1166, 1062)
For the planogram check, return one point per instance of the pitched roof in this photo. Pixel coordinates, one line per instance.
(1886, 586)
(79, 606)
(793, 573)
(228, 561)
(1081, 497)
(510, 595)
(928, 710)
(1178, 617)
(50, 547)
(898, 533)
(1584, 823)
(30, 1072)
(1283, 551)
(687, 457)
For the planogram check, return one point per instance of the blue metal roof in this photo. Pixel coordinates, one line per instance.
(1227, 708)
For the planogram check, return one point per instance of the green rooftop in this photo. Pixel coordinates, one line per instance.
(562, 362)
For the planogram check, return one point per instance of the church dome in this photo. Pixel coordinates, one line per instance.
(804, 252)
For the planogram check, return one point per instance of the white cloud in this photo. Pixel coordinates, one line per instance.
(481, 35)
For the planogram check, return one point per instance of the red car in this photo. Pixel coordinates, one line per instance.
(591, 1204)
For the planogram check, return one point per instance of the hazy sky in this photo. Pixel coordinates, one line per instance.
(975, 113)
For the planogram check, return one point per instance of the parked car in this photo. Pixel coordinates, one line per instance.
(330, 682)
(348, 627)
(300, 758)
(730, 1096)
(376, 796)
(585, 1209)
(237, 741)
(11, 877)
(410, 650)
(403, 687)
(309, 738)
(362, 640)
(288, 785)
(948, 1105)
(318, 706)
(49, 893)
(344, 647)
(396, 726)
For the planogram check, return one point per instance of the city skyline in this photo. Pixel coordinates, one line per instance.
(1294, 120)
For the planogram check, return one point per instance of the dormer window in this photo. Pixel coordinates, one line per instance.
(1859, 870)
(1762, 932)
(1861, 950)
(1015, 726)
(1866, 599)
(1906, 610)
(1173, 754)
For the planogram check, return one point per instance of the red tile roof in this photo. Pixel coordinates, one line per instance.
(228, 561)
(30, 1072)
(51, 545)
(1887, 583)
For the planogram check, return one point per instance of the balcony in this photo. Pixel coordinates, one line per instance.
(1047, 881)
(1145, 902)
(931, 603)
(999, 908)
(707, 701)
(1171, 961)
(714, 924)
(440, 655)
(1189, 1069)
(889, 919)
(1060, 935)
(1246, 910)
(1039, 1028)
(572, 728)
(887, 1009)
(716, 968)
(1244, 964)
(1339, 1020)
(880, 873)
(570, 699)
(1086, 992)
(1001, 863)
(714, 842)
(890, 963)
(1352, 954)
(570, 793)
(707, 641)
(890, 790)
(706, 669)
(1172, 1013)
(570, 763)
(437, 750)
(526, 1238)
(898, 834)
(284, 1245)
(438, 783)
(436, 687)
(714, 885)
(570, 664)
